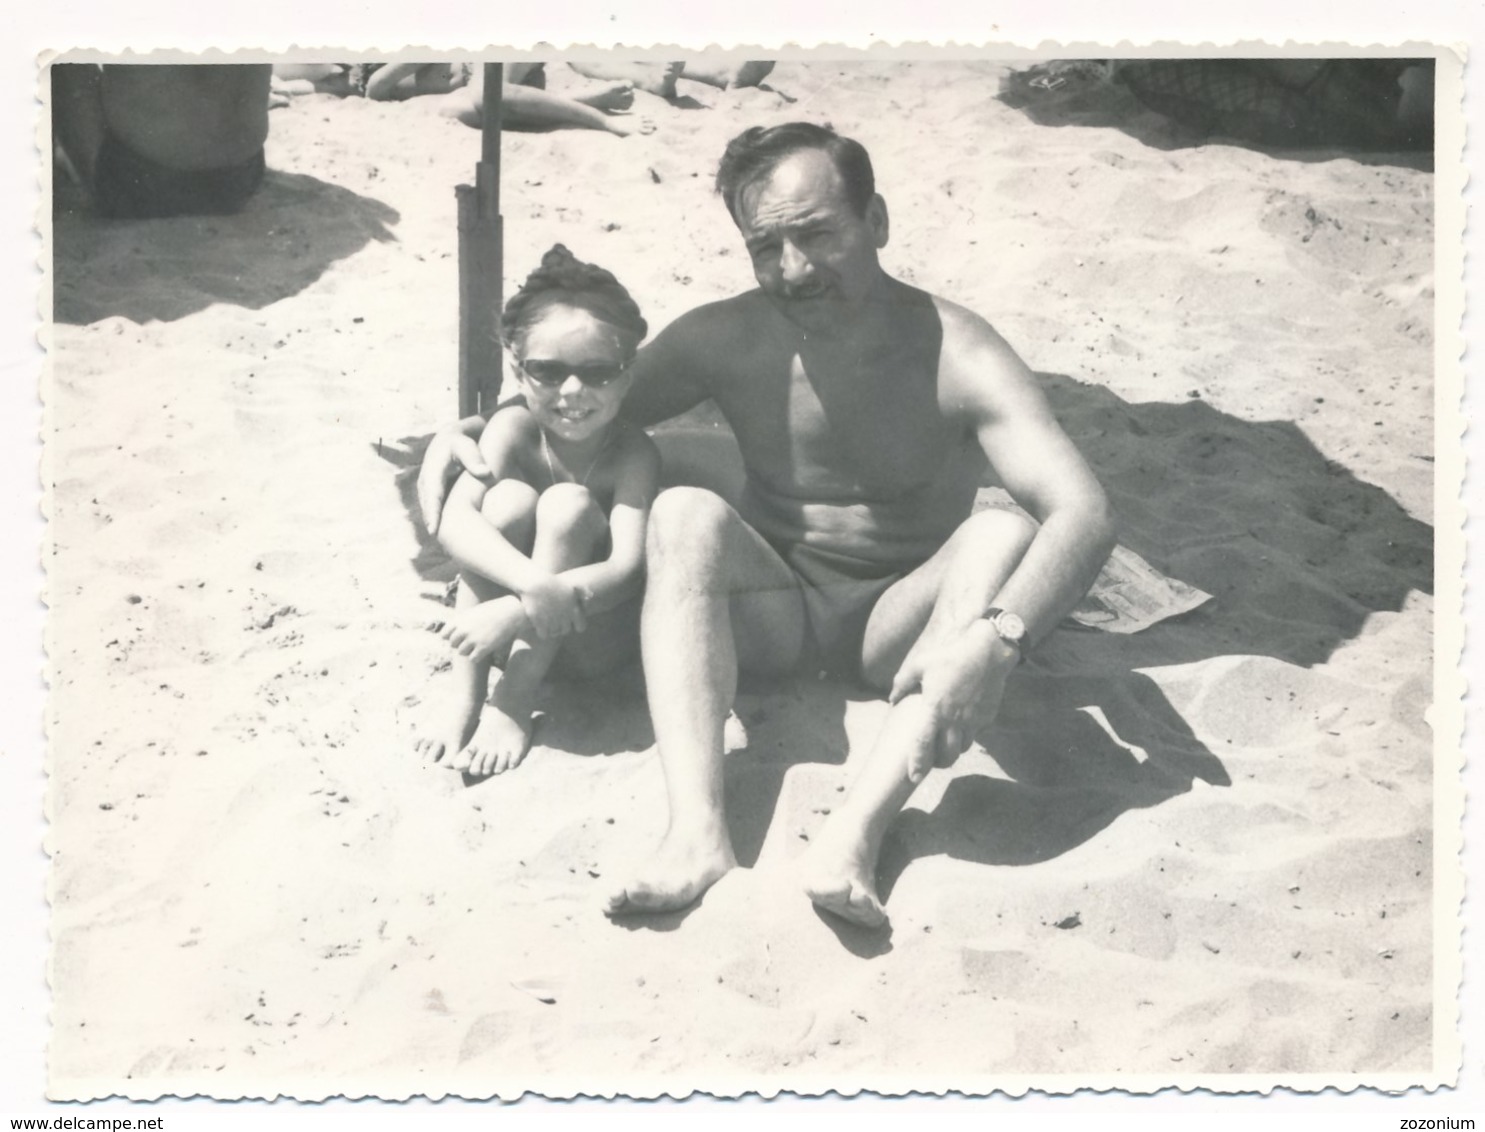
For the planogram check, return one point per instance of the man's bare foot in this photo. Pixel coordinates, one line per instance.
(841, 879)
(728, 76)
(615, 96)
(751, 73)
(626, 126)
(449, 729)
(676, 875)
(503, 737)
(656, 78)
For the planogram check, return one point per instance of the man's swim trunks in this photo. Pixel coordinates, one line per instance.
(839, 594)
(129, 186)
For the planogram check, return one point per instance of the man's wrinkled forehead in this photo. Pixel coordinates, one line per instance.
(796, 188)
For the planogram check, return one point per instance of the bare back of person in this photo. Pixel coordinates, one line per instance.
(189, 117)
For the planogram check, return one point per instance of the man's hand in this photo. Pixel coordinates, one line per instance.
(449, 452)
(962, 679)
(555, 608)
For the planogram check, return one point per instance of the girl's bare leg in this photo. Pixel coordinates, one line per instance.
(570, 531)
(511, 508)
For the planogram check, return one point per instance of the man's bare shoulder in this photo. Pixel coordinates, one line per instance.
(970, 337)
(978, 369)
(724, 323)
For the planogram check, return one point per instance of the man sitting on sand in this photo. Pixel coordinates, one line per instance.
(866, 411)
(151, 140)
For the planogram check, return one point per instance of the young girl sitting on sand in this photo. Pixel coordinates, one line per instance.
(551, 554)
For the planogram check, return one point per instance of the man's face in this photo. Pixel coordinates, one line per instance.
(813, 255)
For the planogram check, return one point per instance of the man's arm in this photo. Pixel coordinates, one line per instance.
(961, 667)
(670, 370)
(1043, 471)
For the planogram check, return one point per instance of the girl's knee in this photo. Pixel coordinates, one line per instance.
(567, 505)
(509, 497)
(510, 507)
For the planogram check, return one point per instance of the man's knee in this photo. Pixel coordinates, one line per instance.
(685, 518)
(996, 532)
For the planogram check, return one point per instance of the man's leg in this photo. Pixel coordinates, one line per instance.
(728, 76)
(570, 528)
(717, 597)
(657, 78)
(530, 108)
(947, 592)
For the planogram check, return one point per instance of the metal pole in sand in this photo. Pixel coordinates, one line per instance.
(480, 262)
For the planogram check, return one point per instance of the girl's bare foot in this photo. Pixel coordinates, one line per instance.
(481, 631)
(503, 737)
(449, 729)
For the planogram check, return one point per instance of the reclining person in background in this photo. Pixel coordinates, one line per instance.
(526, 104)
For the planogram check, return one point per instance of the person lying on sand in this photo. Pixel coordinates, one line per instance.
(660, 78)
(551, 552)
(148, 140)
(866, 411)
(525, 103)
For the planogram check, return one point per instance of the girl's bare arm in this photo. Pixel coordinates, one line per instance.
(608, 584)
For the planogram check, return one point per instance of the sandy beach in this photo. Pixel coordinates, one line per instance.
(1206, 849)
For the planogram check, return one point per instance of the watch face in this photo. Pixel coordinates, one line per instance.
(1011, 627)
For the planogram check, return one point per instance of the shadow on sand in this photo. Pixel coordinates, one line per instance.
(1297, 553)
(292, 230)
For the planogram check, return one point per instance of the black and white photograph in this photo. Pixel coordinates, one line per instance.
(624, 575)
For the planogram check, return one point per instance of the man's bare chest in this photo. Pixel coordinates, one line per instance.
(867, 428)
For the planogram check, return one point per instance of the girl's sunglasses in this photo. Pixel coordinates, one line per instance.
(553, 373)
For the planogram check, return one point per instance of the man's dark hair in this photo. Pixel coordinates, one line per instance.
(755, 152)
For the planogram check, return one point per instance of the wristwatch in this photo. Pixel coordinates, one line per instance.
(1008, 626)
